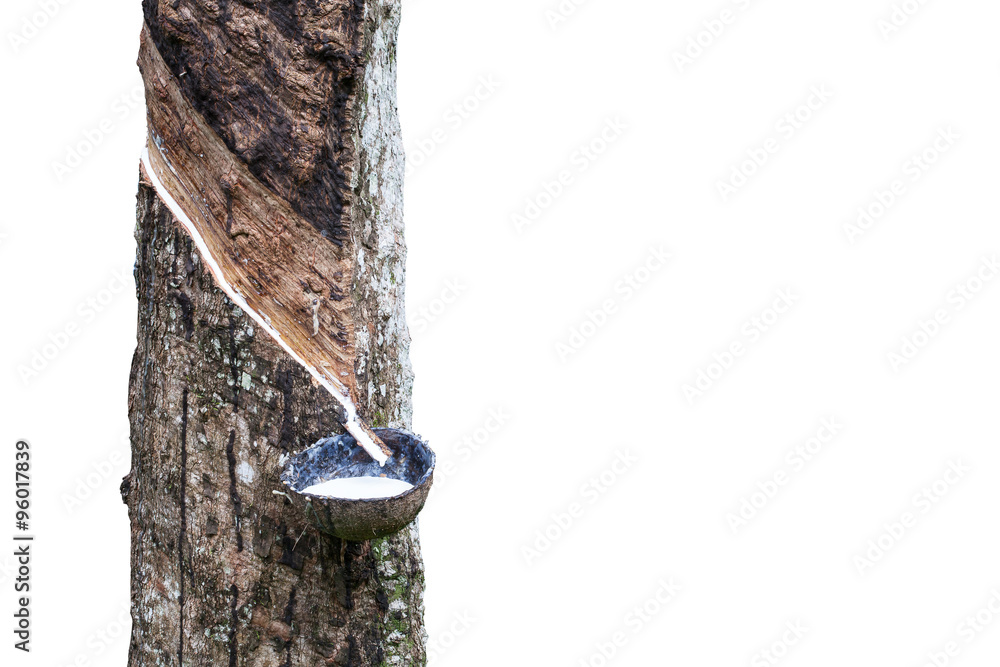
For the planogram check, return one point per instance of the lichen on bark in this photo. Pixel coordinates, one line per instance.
(380, 264)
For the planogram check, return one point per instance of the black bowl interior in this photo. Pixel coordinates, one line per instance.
(341, 456)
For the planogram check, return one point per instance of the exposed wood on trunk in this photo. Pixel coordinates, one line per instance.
(223, 570)
(258, 248)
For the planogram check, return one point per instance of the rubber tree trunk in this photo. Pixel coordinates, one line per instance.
(224, 572)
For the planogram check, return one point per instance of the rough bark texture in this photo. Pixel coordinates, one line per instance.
(224, 572)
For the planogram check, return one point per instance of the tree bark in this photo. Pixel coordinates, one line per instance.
(225, 572)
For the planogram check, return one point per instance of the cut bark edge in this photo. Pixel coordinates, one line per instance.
(353, 424)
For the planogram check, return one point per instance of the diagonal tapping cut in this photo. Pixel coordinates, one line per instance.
(272, 263)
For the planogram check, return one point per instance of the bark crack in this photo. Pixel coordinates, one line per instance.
(233, 621)
(287, 618)
(183, 536)
(233, 365)
(234, 494)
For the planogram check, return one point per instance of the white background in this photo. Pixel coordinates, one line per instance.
(524, 291)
